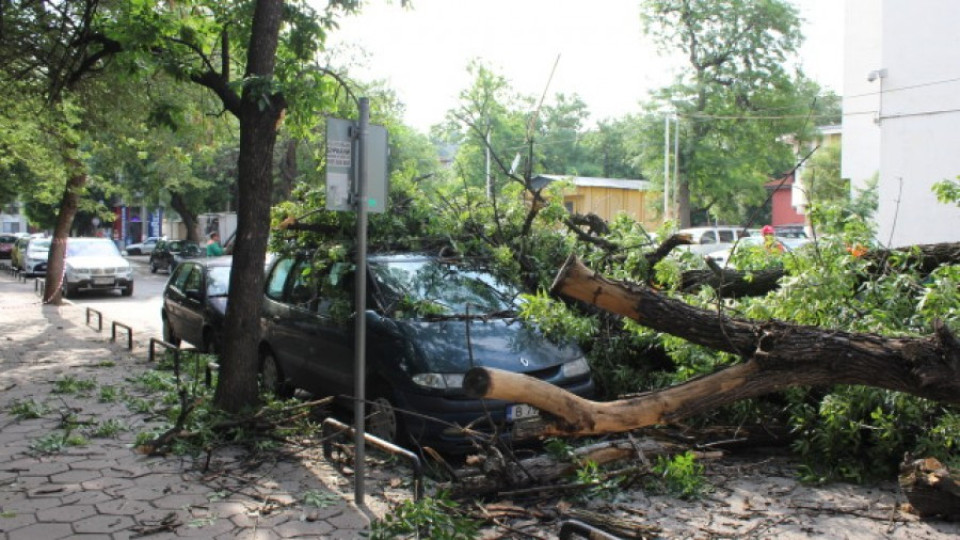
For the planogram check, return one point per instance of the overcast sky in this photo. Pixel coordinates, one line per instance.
(423, 52)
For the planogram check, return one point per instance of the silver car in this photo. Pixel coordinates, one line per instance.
(34, 256)
(146, 247)
(95, 264)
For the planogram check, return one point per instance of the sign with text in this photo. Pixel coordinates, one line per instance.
(342, 165)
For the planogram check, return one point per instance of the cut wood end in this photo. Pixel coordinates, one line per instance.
(477, 382)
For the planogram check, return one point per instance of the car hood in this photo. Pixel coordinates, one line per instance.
(97, 261)
(442, 346)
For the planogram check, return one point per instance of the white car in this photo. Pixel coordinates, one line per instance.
(713, 238)
(33, 260)
(94, 264)
(722, 257)
(144, 248)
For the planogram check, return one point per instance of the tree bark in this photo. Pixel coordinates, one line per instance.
(188, 217)
(776, 355)
(56, 266)
(260, 115)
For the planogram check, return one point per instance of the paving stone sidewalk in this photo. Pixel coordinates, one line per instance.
(104, 488)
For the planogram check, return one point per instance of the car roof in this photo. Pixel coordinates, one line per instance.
(88, 239)
(224, 260)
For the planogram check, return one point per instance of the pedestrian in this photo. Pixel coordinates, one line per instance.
(214, 249)
(770, 241)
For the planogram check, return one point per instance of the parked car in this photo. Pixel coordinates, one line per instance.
(429, 321)
(6, 245)
(144, 248)
(195, 301)
(714, 238)
(169, 253)
(95, 264)
(723, 257)
(18, 252)
(34, 256)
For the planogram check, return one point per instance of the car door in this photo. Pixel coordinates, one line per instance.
(188, 317)
(174, 298)
(308, 344)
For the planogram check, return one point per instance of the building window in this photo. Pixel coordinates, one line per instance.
(569, 206)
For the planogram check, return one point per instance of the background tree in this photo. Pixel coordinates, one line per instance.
(611, 149)
(734, 101)
(258, 59)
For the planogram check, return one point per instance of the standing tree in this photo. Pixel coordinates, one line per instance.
(48, 51)
(735, 99)
(258, 58)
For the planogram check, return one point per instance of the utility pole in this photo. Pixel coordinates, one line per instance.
(666, 167)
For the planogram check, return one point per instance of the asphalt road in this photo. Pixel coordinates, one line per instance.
(140, 311)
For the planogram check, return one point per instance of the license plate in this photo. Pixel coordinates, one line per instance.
(520, 411)
(103, 281)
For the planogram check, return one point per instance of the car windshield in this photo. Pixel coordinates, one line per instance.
(218, 281)
(40, 244)
(104, 248)
(186, 248)
(433, 287)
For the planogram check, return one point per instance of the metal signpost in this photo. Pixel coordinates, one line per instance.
(357, 180)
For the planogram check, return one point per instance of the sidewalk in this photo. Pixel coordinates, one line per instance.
(104, 489)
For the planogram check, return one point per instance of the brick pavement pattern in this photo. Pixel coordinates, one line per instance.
(104, 488)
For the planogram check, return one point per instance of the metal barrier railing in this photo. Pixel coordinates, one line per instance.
(571, 527)
(99, 318)
(169, 346)
(113, 333)
(379, 443)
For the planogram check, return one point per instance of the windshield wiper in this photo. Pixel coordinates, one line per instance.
(499, 314)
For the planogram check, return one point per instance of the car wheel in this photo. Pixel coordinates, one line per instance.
(69, 291)
(383, 420)
(271, 377)
(168, 334)
(133, 252)
(128, 290)
(153, 267)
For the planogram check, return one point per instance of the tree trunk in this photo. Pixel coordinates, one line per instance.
(259, 116)
(777, 356)
(288, 169)
(77, 179)
(188, 217)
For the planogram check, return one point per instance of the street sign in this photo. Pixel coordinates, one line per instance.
(343, 149)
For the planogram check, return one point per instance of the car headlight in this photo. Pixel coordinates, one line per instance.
(439, 381)
(577, 368)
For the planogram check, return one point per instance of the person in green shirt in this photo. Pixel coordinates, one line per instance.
(213, 246)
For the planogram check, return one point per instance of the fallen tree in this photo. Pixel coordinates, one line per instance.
(776, 355)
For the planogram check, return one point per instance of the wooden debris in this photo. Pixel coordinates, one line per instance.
(931, 488)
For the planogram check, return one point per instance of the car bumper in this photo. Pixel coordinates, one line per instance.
(436, 418)
(100, 283)
(35, 269)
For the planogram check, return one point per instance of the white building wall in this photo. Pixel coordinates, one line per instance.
(905, 124)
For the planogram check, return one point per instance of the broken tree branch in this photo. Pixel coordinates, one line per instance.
(777, 355)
